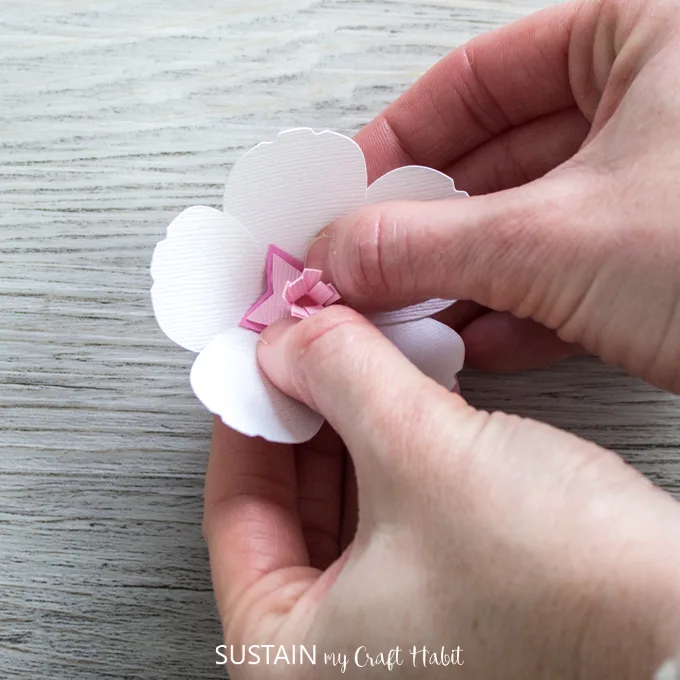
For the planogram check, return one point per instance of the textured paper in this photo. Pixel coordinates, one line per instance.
(206, 273)
(434, 348)
(292, 290)
(270, 308)
(210, 270)
(412, 183)
(228, 380)
(288, 190)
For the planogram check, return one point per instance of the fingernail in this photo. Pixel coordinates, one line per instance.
(318, 252)
(274, 333)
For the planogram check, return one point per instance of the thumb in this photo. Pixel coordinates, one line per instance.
(514, 251)
(381, 405)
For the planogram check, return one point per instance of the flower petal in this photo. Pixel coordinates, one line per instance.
(284, 192)
(408, 314)
(228, 380)
(412, 183)
(207, 272)
(434, 348)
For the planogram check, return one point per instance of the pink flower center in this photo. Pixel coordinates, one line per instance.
(292, 290)
(308, 294)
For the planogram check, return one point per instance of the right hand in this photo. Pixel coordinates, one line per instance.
(540, 555)
(590, 250)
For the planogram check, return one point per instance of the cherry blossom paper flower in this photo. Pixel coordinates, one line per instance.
(212, 270)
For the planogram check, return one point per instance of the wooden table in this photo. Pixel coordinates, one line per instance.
(114, 116)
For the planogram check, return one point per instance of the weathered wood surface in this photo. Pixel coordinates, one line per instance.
(115, 115)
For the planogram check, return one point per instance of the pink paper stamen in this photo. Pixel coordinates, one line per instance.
(308, 295)
(292, 290)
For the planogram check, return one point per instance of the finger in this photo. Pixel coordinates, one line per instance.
(460, 315)
(493, 83)
(344, 368)
(350, 507)
(320, 474)
(522, 154)
(492, 250)
(502, 343)
(251, 521)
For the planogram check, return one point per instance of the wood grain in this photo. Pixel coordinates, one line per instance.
(115, 115)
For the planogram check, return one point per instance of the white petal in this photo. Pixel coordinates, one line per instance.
(284, 192)
(412, 313)
(434, 348)
(228, 380)
(412, 183)
(207, 273)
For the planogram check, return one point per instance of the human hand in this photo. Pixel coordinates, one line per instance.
(538, 554)
(534, 551)
(590, 250)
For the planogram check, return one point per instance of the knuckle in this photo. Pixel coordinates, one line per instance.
(515, 243)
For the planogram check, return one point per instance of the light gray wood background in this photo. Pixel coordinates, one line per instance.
(114, 116)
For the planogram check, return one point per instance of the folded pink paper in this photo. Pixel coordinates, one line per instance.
(292, 290)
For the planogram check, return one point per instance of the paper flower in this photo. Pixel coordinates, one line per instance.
(292, 290)
(214, 273)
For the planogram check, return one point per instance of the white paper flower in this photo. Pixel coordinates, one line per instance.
(210, 269)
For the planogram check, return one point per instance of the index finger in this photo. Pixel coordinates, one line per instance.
(251, 522)
(495, 82)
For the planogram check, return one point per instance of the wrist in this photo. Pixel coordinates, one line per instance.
(637, 624)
